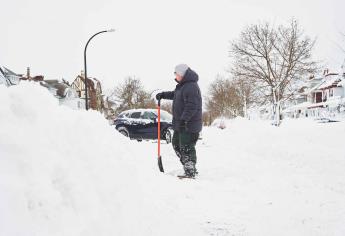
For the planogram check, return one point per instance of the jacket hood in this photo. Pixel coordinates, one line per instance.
(190, 76)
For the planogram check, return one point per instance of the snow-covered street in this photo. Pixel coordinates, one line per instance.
(66, 172)
(256, 179)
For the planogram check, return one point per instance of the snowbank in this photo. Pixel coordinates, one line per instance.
(67, 172)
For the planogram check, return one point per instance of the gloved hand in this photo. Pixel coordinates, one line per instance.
(159, 96)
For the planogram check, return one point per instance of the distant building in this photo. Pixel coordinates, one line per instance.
(8, 77)
(64, 93)
(95, 96)
(323, 96)
(28, 76)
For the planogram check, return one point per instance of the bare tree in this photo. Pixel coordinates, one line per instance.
(273, 58)
(167, 106)
(223, 100)
(246, 92)
(130, 95)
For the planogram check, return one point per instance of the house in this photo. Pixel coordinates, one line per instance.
(37, 78)
(3, 79)
(64, 93)
(332, 87)
(323, 96)
(95, 96)
(8, 77)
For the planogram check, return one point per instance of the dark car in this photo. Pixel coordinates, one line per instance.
(142, 124)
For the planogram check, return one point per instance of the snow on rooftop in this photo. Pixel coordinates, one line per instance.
(329, 81)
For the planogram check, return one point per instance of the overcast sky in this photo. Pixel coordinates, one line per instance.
(152, 36)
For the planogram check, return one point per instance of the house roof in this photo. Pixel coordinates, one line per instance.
(2, 77)
(6, 71)
(315, 88)
(330, 81)
(92, 82)
(8, 76)
(60, 87)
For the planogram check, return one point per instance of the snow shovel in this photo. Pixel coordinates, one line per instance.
(160, 164)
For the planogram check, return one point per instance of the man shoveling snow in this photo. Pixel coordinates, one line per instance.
(187, 116)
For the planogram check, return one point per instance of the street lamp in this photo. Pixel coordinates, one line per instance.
(85, 70)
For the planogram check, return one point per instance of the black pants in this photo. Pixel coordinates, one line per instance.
(184, 146)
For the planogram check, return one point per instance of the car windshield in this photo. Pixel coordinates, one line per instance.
(122, 115)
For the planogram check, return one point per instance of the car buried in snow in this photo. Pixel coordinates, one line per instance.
(142, 124)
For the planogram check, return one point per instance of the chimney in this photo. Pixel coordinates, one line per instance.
(326, 72)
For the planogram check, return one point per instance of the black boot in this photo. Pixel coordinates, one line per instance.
(189, 169)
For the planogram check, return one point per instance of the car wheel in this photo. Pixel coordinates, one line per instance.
(123, 131)
(168, 136)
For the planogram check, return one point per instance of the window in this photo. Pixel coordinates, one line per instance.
(148, 115)
(135, 115)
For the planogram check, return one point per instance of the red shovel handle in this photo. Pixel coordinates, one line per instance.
(160, 164)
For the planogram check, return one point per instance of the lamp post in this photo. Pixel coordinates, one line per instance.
(85, 69)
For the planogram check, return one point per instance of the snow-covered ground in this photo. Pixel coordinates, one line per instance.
(66, 172)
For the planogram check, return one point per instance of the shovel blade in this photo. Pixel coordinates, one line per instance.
(160, 164)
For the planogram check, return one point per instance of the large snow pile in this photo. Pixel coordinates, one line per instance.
(65, 172)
